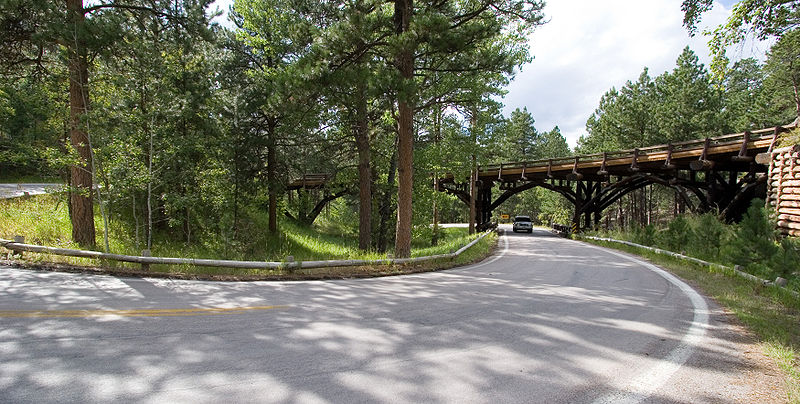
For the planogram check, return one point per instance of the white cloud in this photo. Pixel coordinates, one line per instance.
(590, 46)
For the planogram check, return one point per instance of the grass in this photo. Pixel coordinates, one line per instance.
(30, 179)
(44, 220)
(771, 313)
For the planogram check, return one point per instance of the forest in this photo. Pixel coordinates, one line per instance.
(172, 127)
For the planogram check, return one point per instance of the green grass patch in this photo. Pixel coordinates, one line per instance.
(772, 313)
(44, 220)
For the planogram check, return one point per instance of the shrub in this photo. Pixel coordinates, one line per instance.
(677, 235)
(708, 234)
(754, 244)
(645, 235)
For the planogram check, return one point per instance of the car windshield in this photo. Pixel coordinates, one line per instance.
(522, 219)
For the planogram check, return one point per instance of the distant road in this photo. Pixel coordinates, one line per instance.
(15, 190)
(545, 320)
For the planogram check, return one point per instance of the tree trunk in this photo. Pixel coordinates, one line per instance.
(386, 200)
(437, 130)
(82, 206)
(403, 10)
(361, 131)
(473, 175)
(473, 179)
(272, 183)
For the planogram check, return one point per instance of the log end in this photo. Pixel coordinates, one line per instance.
(701, 165)
(763, 158)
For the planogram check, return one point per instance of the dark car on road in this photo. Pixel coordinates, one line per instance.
(523, 223)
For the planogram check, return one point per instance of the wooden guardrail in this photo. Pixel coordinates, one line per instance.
(18, 245)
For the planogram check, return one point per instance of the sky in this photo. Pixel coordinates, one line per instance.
(589, 46)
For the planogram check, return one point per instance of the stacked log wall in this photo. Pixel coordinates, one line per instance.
(783, 189)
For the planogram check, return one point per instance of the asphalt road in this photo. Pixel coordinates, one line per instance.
(15, 190)
(545, 320)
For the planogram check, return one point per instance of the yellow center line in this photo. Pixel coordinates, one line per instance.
(208, 311)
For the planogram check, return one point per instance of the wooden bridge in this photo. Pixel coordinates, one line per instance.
(721, 172)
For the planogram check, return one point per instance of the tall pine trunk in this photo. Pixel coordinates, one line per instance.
(386, 201)
(272, 183)
(473, 175)
(403, 10)
(364, 170)
(81, 203)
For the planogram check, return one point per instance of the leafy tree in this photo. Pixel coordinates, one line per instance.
(624, 118)
(275, 35)
(30, 125)
(745, 100)
(689, 105)
(783, 72)
(477, 37)
(757, 18)
(519, 140)
(554, 144)
(37, 32)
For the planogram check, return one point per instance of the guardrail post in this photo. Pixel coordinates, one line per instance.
(18, 240)
(146, 266)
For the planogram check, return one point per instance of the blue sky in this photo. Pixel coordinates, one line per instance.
(589, 46)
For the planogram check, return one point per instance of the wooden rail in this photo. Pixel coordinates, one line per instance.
(309, 181)
(698, 154)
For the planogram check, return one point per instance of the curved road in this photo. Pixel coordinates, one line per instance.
(544, 320)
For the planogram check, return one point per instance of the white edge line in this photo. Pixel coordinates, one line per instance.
(493, 259)
(644, 385)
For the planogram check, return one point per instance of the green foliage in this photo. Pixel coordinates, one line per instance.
(689, 104)
(519, 141)
(754, 241)
(31, 129)
(686, 103)
(783, 74)
(645, 235)
(708, 235)
(677, 235)
(756, 18)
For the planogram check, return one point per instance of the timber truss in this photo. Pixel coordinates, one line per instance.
(712, 174)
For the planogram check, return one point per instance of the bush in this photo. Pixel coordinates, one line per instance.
(708, 234)
(787, 259)
(677, 235)
(754, 243)
(645, 235)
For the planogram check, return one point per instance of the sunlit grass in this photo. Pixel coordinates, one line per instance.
(44, 220)
(41, 220)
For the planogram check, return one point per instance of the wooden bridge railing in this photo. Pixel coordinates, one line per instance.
(667, 153)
